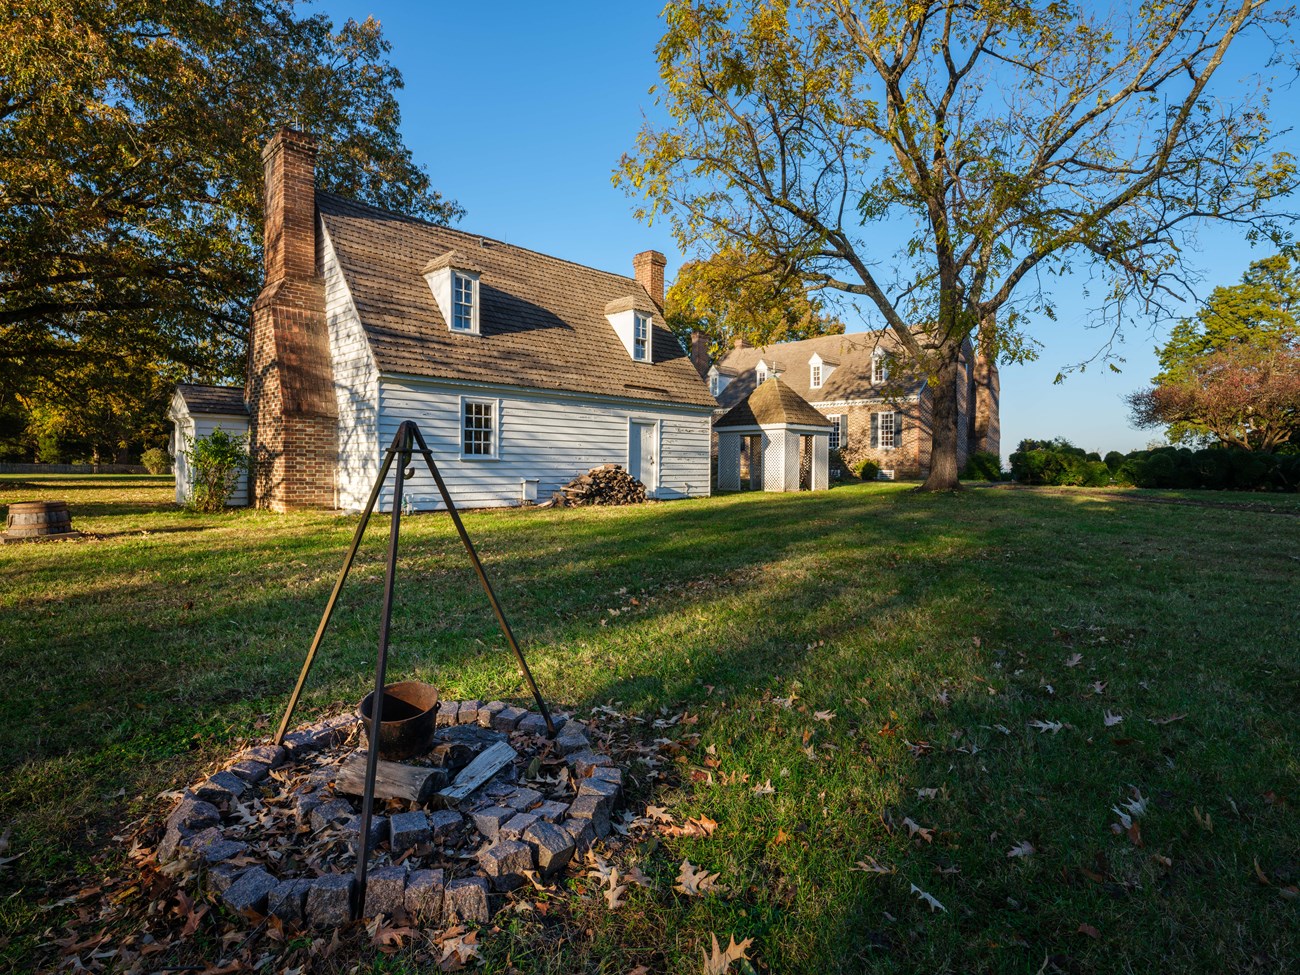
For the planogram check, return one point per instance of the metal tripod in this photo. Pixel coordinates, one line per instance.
(402, 448)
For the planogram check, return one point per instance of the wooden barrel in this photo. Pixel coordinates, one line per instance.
(30, 519)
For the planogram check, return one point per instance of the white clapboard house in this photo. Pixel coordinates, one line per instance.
(196, 411)
(522, 370)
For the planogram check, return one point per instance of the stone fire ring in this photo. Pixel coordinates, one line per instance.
(270, 835)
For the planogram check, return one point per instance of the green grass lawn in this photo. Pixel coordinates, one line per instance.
(929, 631)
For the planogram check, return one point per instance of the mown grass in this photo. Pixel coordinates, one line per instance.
(935, 628)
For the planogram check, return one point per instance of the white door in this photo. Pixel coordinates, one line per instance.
(642, 455)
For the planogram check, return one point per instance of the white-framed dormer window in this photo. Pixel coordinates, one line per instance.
(479, 428)
(715, 383)
(640, 337)
(760, 374)
(464, 306)
(453, 280)
(815, 377)
(879, 368)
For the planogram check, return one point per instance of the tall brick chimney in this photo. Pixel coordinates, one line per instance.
(293, 414)
(700, 353)
(648, 266)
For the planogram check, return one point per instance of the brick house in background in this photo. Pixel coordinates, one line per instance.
(856, 382)
(522, 370)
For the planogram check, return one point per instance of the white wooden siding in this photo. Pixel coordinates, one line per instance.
(356, 387)
(196, 426)
(546, 436)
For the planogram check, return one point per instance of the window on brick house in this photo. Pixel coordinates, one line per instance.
(478, 427)
(884, 431)
(815, 380)
(879, 368)
(839, 431)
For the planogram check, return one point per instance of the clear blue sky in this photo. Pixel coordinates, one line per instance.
(521, 110)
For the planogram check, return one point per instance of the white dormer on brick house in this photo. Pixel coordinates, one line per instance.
(631, 318)
(760, 373)
(453, 278)
(879, 367)
(718, 380)
(819, 370)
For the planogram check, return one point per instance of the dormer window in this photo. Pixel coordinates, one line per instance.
(760, 374)
(879, 368)
(815, 379)
(463, 305)
(453, 280)
(640, 337)
(632, 319)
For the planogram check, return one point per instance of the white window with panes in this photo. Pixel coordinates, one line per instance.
(640, 338)
(884, 431)
(815, 380)
(879, 368)
(839, 430)
(479, 428)
(464, 313)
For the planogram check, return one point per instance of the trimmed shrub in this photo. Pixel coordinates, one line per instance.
(1114, 460)
(866, 470)
(982, 466)
(156, 461)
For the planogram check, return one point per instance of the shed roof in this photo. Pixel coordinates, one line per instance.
(542, 320)
(226, 400)
(773, 404)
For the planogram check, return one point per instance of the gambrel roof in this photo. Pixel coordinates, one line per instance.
(542, 320)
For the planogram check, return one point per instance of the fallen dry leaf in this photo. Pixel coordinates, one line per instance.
(871, 865)
(694, 881)
(1045, 726)
(1090, 931)
(915, 829)
(826, 716)
(718, 961)
(1111, 719)
(928, 899)
(1074, 660)
(1022, 849)
(765, 789)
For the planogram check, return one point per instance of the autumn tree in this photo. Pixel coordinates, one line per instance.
(1245, 395)
(1006, 142)
(732, 295)
(130, 172)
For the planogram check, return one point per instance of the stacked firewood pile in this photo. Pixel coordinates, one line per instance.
(607, 484)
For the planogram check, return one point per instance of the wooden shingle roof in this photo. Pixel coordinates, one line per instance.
(772, 404)
(227, 400)
(542, 320)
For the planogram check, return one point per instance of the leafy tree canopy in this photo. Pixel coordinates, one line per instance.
(733, 295)
(130, 171)
(1262, 310)
(1002, 143)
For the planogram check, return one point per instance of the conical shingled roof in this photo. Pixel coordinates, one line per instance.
(772, 404)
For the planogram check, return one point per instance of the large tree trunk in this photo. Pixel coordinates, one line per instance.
(943, 425)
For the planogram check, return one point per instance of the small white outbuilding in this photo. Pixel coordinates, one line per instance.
(196, 411)
(788, 441)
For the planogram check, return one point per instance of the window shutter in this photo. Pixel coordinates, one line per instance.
(875, 431)
(898, 429)
(843, 421)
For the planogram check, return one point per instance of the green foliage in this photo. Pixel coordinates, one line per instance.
(1057, 462)
(215, 464)
(156, 460)
(1113, 459)
(130, 140)
(866, 470)
(983, 465)
(1260, 313)
(734, 294)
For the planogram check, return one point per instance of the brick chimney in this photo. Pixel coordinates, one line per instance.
(648, 266)
(700, 353)
(740, 343)
(293, 414)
